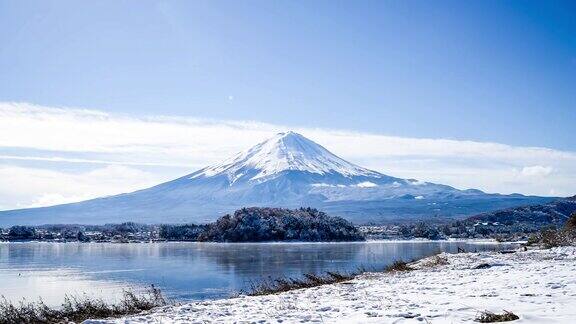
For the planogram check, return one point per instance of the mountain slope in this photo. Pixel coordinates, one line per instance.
(287, 170)
(553, 213)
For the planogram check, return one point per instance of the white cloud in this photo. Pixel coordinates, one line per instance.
(90, 137)
(536, 171)
(51, 199)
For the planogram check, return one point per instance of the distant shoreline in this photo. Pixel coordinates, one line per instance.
(367, 241)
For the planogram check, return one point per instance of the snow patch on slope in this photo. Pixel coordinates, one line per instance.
(366, 184)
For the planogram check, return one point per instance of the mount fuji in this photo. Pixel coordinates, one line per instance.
(287, 170)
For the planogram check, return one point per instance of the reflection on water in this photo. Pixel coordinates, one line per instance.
(186, 271)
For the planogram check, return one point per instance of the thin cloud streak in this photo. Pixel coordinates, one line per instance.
(88, 161)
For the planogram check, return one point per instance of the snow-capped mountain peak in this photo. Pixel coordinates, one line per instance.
(287, 170)
(284, 151)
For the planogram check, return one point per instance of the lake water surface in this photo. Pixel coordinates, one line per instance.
(188, 271)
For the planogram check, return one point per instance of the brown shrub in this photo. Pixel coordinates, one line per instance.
(398, 266)
(571, 223)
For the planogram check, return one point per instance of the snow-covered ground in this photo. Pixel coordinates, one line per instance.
(537, 285)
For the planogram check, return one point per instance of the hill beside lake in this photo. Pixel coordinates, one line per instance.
(533, 216)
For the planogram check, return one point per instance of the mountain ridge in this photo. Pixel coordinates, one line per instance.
(555, 213)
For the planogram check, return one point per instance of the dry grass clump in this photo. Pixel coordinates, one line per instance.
(286, 284)
(77, 309)
(398, 266)
(435, 261)
(489, 317)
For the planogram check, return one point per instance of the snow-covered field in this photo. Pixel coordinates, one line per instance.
(537, 285)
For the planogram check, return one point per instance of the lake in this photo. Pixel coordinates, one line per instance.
(189, 271)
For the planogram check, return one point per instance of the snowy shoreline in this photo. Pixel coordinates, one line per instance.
(537, 285)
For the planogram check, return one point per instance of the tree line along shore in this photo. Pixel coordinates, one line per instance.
(245, 225)
(257, 224)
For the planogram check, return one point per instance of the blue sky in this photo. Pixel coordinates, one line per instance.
(502, 71)
(111, 96)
